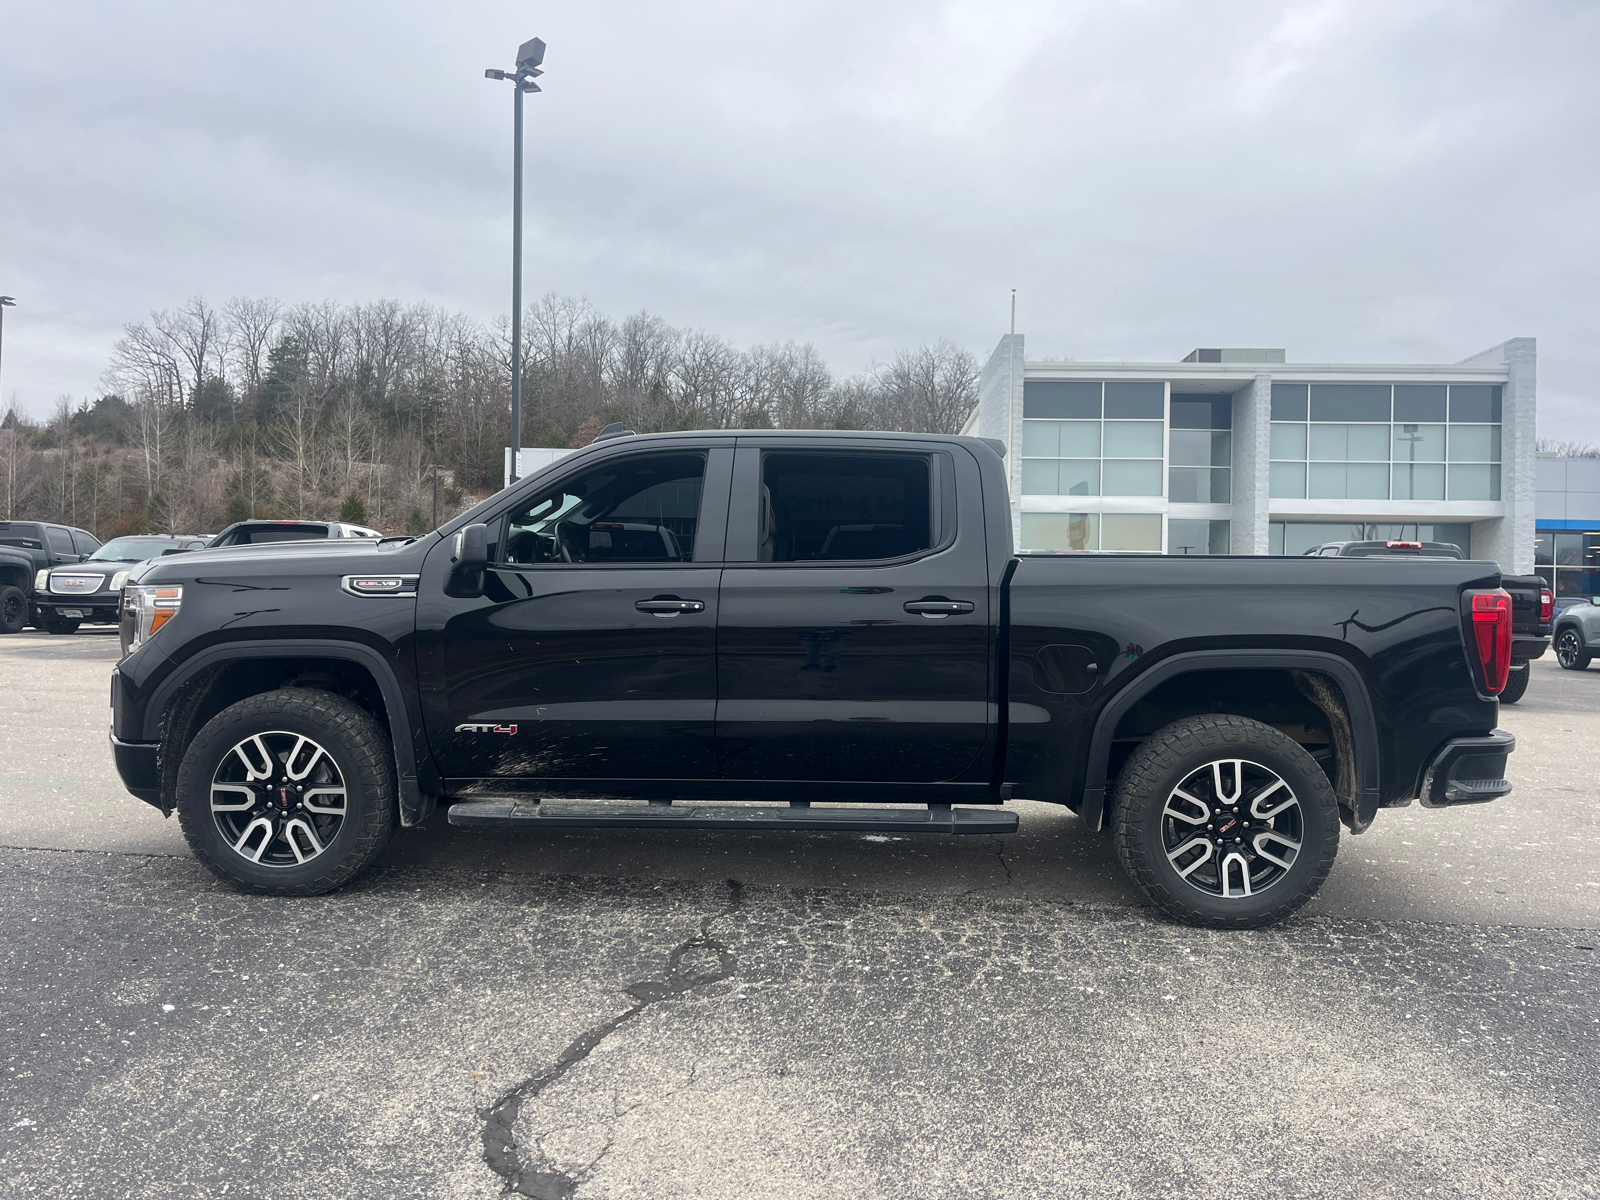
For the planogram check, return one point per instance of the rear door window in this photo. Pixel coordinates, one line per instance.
(822, 506)
(86, 543)
(60, 540)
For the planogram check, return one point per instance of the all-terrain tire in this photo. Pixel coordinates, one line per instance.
(1516, 683)
(1571, 653)
(59, 624)
(13, 609)
(362, 755)
(1170, 757)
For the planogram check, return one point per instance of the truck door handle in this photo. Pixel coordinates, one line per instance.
(669, 606)
(935, 607)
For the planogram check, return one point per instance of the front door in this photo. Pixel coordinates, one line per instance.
(591, 654)
(854, 641)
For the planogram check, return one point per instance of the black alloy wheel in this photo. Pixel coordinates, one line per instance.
(13, 609)
(288, 793)
(1571, 653)
(1225, 822)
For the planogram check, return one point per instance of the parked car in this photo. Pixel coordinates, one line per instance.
(91, 591)
(1532, 604)
(28, 549)
(1577, 635)
(837, 619)
(256, 533)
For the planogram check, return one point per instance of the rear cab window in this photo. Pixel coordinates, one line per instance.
(60, 540)
(828, 506)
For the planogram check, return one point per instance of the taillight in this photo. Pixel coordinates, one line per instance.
(1491, 636)
(1547, 608)
(1403, 545)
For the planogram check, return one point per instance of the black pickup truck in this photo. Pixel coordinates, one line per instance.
(28, 549)
(832, 628)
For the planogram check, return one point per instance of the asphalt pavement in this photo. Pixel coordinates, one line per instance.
(602, 1013)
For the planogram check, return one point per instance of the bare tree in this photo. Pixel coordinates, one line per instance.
(931, 389)
(1568, 448)
(249, 328)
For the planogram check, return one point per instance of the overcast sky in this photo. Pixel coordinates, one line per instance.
(1353, 181)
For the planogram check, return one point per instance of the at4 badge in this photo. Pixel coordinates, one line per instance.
(486, 728)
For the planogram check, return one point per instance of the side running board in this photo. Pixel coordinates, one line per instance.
(936, 818)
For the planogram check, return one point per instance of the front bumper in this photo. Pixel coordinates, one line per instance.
(1468, 770)
(139, 767)
(99, 606)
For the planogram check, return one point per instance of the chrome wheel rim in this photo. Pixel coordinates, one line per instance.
(1567, 648)
(278, 799)
(1232, 828)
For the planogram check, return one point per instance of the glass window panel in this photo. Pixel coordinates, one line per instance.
(1455, 534)
(1369, 443)
(1060, 531)
(1061, 399)
(1131, 477)
(1190, 448)
(1548, 575)
(1330, 443)
(1133, 439)
(1326, 481)
(1130, 532)
(1419, 481)
(1350, 402)
(1288, 481)
(1041, 439)
(1475, 402)
(1543, 548)
(1418, 443)
(1473, 483)
(1419, 402)
(1040, 476)
(1591, 550)
(1221, 485)
(1288, 402)
(1201, 411)
(1221, 537)
(1080, 477)
(1189, 485)
(1475, 443)
(1080, 439)
(1569, 549)
(1288, 441)
(1222, 449)
(1133, 400)
(1367, 481)
(1194, 537)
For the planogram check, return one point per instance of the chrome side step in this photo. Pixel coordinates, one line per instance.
(598, 814)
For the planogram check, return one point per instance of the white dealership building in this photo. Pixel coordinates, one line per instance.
(1236, 451)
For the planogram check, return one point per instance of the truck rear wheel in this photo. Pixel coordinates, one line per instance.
(13, 609)
(1224, 822)
(1516, 683)
(289, 793)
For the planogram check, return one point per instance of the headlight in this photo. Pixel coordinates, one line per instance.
(41, 581)
(152, 607)
(117, 580)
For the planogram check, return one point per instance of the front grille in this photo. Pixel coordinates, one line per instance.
(76, 585)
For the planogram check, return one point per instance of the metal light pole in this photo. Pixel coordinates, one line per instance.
(5, 303)
(529, 55)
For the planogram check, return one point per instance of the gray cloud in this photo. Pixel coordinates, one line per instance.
(1353, 181)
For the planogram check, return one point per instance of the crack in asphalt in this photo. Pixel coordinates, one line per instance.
(542, 1179)
(1000, 853)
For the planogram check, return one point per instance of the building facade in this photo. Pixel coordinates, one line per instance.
(1566, 548)
(1241, 452)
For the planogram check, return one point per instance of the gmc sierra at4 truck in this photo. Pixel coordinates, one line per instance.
(832, 629)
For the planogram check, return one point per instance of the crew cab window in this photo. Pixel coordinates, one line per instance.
(639, 509)
(86, 543)
(60, 540)
(825, 506)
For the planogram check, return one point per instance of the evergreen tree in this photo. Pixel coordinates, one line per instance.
(354, 509)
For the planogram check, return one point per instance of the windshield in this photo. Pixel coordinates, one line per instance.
(131, 549)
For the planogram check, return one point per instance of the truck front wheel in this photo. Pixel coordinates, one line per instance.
(1224, 822)
(13, 609)
(288, 793)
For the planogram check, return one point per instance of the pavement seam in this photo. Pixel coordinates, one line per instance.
(500, 1150)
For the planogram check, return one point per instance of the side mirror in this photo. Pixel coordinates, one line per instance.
(468, 557)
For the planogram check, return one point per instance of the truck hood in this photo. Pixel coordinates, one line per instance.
(326, 556)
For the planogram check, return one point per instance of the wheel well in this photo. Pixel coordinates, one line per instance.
(14, 576)
(1307, 706)
(215, 688)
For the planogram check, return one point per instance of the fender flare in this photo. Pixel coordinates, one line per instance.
(1363, 721)
(404, 727)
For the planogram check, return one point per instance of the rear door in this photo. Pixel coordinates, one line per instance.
(854, 637)
(59, 540)
(591, 654)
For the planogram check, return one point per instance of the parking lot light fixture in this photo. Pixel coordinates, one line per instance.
(5, 303)
(529, 55)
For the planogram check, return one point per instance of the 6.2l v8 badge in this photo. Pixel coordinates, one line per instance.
(486, 728)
